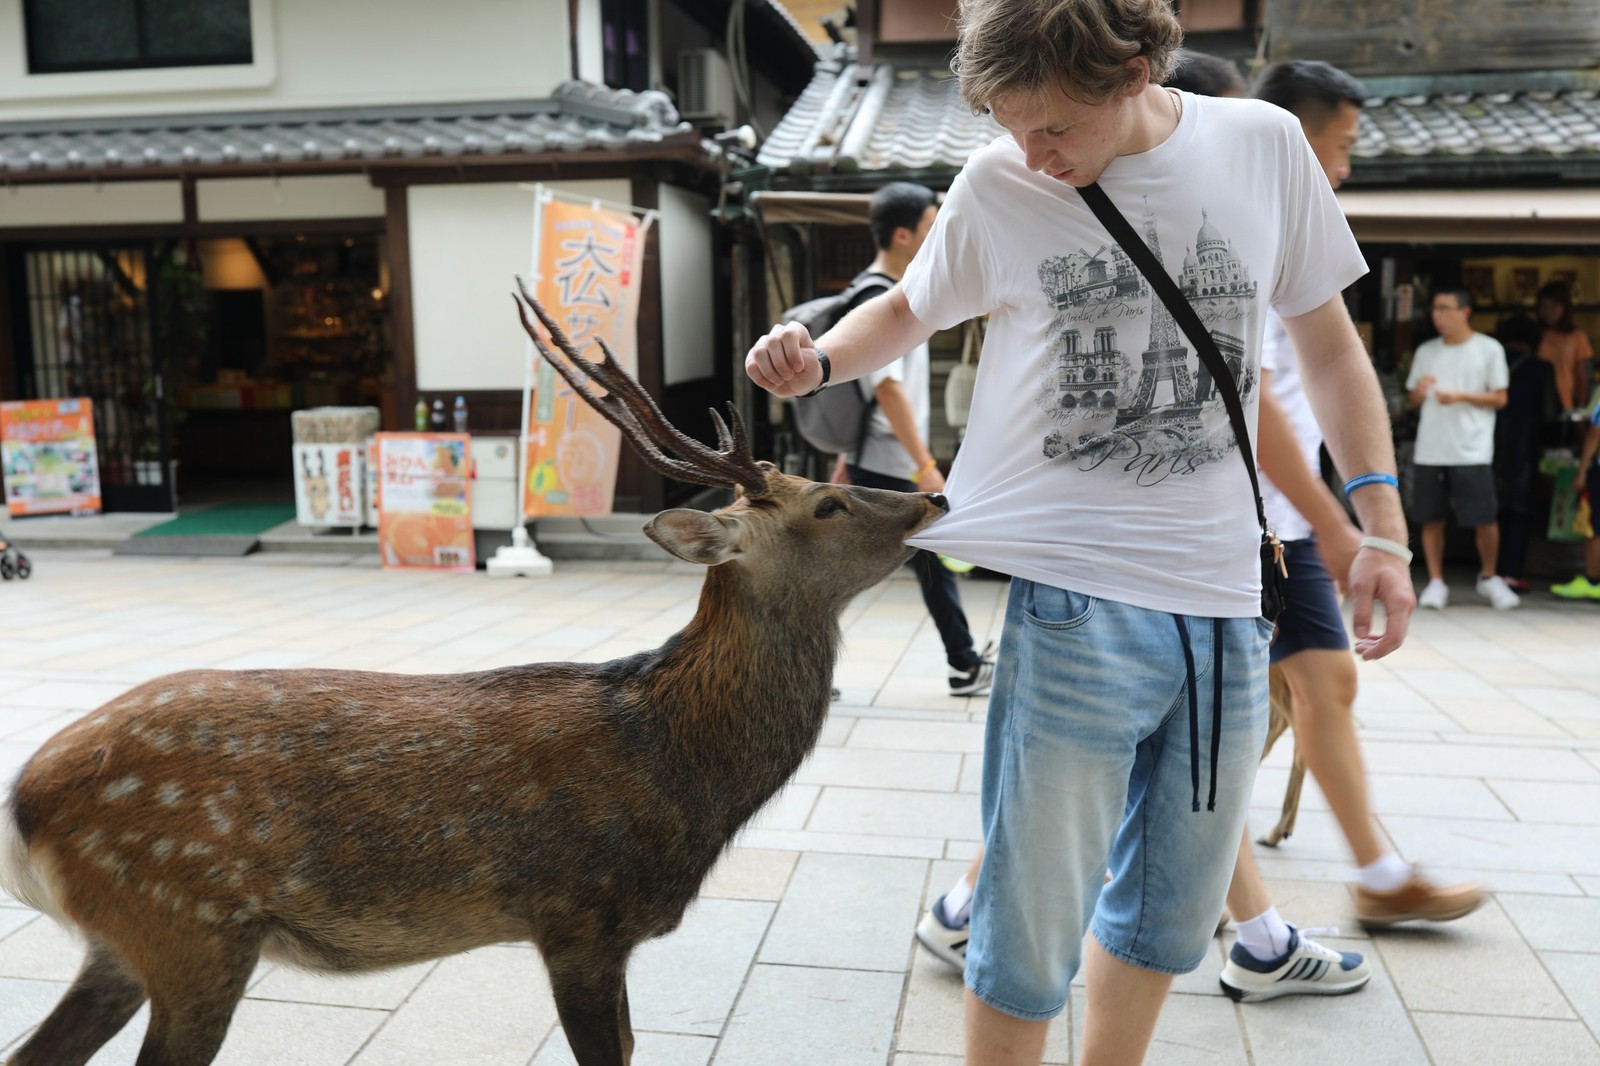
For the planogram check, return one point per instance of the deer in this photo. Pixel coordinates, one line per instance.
(344, 821)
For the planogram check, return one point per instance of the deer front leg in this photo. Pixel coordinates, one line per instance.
(592, 999)
(102, 998)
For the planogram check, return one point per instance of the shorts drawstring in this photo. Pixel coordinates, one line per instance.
(1194, 709)
(1216, 707)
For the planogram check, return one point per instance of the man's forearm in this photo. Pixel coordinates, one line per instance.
(873, 335)
(896, 407)
(1348, 403)
(1286, 468)
(1493, 400)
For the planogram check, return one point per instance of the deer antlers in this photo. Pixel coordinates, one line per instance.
(628, 407)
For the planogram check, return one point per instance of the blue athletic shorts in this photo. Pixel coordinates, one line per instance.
(1088, 765)
(1311, 618)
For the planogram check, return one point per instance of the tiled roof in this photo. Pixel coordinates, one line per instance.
(877, 123)
(857, 127)
(577, 118)
(1503, 131)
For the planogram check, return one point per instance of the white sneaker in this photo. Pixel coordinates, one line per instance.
(1436, 595)
(947, 942)
(1306, 969)
(1494, 589)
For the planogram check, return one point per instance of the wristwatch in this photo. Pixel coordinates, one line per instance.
(827, 372)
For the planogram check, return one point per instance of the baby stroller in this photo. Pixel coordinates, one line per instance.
(12, 562)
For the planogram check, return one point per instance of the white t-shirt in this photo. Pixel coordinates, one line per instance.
(1278, 359)
(883, 452)
(1098, 456)
(1458, 434)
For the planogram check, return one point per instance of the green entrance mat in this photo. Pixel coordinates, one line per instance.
(224, 520)
(227, 529)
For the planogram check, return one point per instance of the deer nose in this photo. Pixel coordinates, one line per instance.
(938, 500)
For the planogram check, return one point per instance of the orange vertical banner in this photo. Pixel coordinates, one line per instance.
(587, 275)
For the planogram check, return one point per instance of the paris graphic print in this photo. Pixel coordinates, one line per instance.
(1152, 410)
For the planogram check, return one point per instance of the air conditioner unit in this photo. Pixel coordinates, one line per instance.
(705, 87)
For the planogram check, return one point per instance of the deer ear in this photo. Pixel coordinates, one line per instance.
(694, 536)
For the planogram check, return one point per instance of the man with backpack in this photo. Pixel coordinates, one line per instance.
(892, 451)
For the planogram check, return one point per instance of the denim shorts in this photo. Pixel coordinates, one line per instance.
(1088, 766)
(1311, 620)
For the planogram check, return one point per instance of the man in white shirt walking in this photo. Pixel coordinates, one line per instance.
(1459, 380)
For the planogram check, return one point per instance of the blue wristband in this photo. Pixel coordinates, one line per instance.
(1371, 479)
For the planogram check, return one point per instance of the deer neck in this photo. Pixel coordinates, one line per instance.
(750, 678)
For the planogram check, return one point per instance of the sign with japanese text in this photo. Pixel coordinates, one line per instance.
(329, 484)
(47, 449)
(586, 267)
(426, 517)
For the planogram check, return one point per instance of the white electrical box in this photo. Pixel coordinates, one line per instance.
(494, 483)
(705, 87)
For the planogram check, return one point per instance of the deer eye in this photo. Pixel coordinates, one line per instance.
(829, 505)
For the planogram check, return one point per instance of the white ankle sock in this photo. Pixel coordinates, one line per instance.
(1266, 936)
(958, 903)
(1385, 874)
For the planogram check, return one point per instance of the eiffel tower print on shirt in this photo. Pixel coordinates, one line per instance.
(1164, 400)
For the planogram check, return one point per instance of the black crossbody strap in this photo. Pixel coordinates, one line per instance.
(1136, 249)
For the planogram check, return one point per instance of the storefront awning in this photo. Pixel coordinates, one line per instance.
(1398, 216)
(1474, 216)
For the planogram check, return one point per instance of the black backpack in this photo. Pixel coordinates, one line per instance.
(835, 419)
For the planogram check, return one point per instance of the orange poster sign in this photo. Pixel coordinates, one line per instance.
(587, 275)
(48, 451)
(426, 519)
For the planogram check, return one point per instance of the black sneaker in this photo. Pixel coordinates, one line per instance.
(975, 680)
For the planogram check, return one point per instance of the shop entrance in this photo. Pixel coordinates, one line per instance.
(89, 330)
(196, 352)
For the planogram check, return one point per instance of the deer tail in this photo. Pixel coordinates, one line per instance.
(20, 875)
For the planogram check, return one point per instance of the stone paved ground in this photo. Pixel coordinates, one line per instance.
(1483, 738)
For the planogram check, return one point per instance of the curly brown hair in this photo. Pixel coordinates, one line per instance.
(1079, 46)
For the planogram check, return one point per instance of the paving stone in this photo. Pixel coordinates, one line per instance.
(1487, 845)
(1369, 1026)
(953, 736)
(1551, 802)
(1466, 1040)
(1550, 923)
(801, 1016)
(1579, 977)
(868, 906)
(379, 991)
(895, 812)
(488, 1008)
(1192, 1030)
(931, 1019)
(924, 771)
(750, 873)
(1477, 965)
(687, 981)
(656, 1049)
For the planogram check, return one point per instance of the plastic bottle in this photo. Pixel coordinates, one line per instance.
(460, 414)
(437, 420)
(421, 415)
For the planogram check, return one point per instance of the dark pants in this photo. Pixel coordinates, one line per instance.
(939, 590)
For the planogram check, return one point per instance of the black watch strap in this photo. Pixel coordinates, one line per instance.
(827, 372)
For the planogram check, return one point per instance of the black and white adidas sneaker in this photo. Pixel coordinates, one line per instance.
(1306, 969)
(946, 941)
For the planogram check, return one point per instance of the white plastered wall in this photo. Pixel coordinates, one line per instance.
(687, 326)
(466, 243)
(317, 53)
(86, 204)
(318, 196)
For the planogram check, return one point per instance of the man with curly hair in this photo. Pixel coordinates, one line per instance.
(1100, 470)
